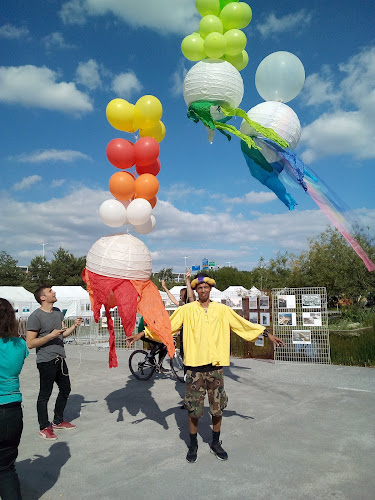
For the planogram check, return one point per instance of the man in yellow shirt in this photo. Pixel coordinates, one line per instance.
(207, 327)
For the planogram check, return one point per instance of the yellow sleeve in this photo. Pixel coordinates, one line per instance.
(243, 327)
(176, 323)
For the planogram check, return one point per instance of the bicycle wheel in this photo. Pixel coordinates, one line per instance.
(177, 366)
(140, 366)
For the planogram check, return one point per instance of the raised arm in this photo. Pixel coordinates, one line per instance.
(171, 297)
(190, 292)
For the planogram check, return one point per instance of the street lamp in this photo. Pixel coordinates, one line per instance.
(186, 258)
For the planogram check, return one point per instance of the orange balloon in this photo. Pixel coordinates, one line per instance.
(146, 186)
(122, 185)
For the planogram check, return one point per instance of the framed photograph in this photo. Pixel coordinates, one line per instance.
(25, 309)
(312, 318)
(234, 302)
(264, 318)
(287, 319)
(259, 341)
(253, 303)
(301, 336)
(312, 301)
(86, 321)
(264, 302)
(286, 301)
(253, 317)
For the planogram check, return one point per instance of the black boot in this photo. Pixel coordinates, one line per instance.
(192, 454)
(217, 448)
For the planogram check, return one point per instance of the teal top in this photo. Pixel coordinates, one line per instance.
(13, 352)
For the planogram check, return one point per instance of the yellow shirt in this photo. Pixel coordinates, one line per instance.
(207, 333)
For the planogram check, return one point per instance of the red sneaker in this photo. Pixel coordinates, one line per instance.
(47, 434)
(63, 425)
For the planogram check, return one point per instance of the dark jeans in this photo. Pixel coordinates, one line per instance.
(10, 434)
(50, 372)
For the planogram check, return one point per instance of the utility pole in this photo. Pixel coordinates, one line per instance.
(186, 258)
(229, 263)
(43, 245)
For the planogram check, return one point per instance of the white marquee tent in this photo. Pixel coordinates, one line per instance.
(73, 301)
(21, 299)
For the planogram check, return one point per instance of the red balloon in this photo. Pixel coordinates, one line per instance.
(153, 169)
(147, 150)
(121, 153)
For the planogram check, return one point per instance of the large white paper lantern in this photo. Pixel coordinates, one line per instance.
(278, 116)
(214, 80)
(120, 256)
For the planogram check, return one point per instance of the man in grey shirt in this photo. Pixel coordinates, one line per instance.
(45, 332)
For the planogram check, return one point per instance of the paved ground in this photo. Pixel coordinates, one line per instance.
(291, 432)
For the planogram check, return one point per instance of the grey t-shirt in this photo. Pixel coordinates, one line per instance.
(43, 323)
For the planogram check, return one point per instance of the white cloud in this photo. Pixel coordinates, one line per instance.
(296, 22)
(11, 32)
(36, 87)
(57, 183)
(350, 127)
(87, 74)
(252, 198)
(178, 78)
(164, 16)
(126, 84)
(73, 222)
(51, 155)
(56, 41)
(26, 182)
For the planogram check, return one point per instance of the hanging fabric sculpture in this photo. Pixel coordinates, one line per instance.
(117, 273)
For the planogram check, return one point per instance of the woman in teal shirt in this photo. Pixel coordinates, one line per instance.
(13, 352)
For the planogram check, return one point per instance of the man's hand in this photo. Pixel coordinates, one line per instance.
(56, 333)
(163, 284)
(276, 340)
(133, 338)
(78, 321)
(187, 275)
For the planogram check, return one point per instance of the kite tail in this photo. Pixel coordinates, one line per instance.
(293, 170)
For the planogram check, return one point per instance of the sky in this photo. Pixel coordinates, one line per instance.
(62, 62)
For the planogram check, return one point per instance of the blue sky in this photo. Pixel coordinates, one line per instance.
(62, 62)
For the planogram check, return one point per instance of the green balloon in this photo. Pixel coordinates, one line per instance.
(247, 15)
(223, 3)
(214, 45)
(206, 7)
(239, 61)
(192, 47)
(232, 16)
(236, 42)
(210, 24)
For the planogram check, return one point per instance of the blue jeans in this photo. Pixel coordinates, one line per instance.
(11, 425)
(51, 372)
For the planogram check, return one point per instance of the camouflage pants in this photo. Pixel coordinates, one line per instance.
(197, 383)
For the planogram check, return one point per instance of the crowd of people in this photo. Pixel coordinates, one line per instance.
(204, 327)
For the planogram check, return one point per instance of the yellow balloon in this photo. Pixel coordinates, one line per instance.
(239, 61)
(120, 114)
(147, 111)
(157, 131)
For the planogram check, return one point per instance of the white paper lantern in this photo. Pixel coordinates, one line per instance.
(214, 80)
(113, 213)
(278, 116)
(147, 227)
(120, 256)
(138, 211)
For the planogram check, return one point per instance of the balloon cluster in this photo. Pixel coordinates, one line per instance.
(134, 196)
(219, 35)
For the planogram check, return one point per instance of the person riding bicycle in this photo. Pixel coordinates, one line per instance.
(157, 348)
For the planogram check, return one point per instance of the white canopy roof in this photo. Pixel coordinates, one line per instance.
(74, 300)
(22, 300)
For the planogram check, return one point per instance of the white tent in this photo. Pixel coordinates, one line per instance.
(254, 291)
(235, 291)
(73, 301)
(21, 299)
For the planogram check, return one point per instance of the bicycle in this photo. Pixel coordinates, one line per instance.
(143, 367)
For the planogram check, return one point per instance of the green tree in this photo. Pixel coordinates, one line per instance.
(10, 274)
(67, 269)
(40, 270)
(166, 274)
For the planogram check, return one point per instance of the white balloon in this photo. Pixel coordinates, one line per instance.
(280, 77)
(138, 211)
(278, 116)
(113, 213)
(147, 227)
